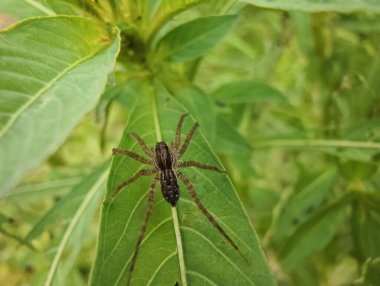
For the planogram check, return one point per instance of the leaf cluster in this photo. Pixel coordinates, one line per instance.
(286, 94)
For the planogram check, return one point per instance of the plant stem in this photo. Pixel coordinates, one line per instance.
(179, 246)
(315, 143)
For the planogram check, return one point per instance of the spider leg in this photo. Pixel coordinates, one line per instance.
(177, 141)
(132, 155)
(203, 209)
(144, 172)
(199, 165)
(187, 140)
(142, 144)
(147, 214)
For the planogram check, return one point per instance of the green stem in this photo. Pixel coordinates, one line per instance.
(315, 143)
(179, 246)
(174, 209)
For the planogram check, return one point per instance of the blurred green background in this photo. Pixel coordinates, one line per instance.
(298, 128)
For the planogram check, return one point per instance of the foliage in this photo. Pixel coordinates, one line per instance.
(286, 94)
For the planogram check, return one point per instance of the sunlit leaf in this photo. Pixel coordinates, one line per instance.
(52, 71)
(208, 257)
(193, 39)
(22, 9)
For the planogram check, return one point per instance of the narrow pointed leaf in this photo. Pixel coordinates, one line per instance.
(301, 205)
(91, 190)
(208, 258)
(315, 233)
(52, 71)
(193, 39)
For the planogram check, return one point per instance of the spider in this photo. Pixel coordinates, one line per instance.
(165, 164)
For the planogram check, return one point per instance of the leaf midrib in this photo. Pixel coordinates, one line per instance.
(43, 90)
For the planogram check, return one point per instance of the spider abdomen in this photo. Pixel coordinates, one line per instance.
(169, 186)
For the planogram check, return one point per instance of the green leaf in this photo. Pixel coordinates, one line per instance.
(319, 6)
(207, 257)
(246, 91)
(229, 140)
(65, 207)
(315, 233)
(23, 9)
(366, 225)
(201, 107)
(91, 190)
(195, 38)
(298, 207)
(52, 71)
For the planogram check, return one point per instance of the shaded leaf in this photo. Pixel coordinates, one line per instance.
(371, 273)
(229, 140)
(208, 258)
(245, 91)
(91, 190)
(366, 226)
(52, 71)
(65, 207)
(193, 39)
(300, 205)
(315, 233)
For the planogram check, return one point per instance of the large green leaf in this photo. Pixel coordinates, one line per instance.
(193, 39)
(207, 256)
(322, 5)
(52, 71)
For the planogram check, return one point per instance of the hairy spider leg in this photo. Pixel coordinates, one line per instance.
(145, 148)
(143, 172)
(132, 155)
(200, 165)
(187, 140)
(177, 140)
(203, 209)
(148, 212)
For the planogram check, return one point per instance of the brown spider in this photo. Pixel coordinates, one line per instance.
(165, 163)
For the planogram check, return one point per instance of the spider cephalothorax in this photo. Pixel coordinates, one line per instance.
(165, 163)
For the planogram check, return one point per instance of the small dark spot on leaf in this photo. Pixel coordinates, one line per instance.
(309, 209)
(29, 269)
(295, 221)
